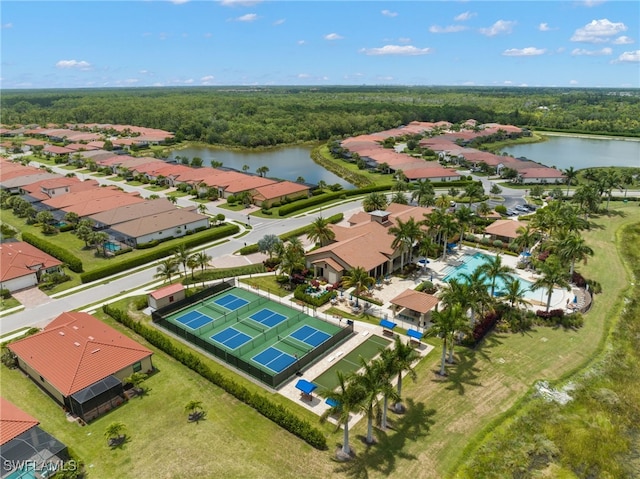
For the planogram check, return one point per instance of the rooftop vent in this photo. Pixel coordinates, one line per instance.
(61, 333)
(95, 351)
(75, 327)
(76, 343)
(91, 338)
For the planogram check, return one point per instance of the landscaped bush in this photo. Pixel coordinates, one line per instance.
(427, 287)
(551, 314)
(320, 199)
(301, 294)
(65, 228)
(250, 249)
(73, 262)
(5, 293)
(502, 209)
(275, 412)
(483, 326)
(161, 252)
(220, 273)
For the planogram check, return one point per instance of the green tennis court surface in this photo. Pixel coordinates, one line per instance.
(350, 363)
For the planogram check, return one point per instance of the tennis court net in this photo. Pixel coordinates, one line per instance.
(253, 325)
(294, 343)
(211, 307)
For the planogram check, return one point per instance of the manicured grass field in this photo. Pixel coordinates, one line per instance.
(267, 283)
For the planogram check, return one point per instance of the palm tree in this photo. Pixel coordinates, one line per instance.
(399, 198)
(478, 293)
(526, 238)
(115, 433)
(196, 413)
(514, 292)
(464, 217)
(136, 379)
(422, 191)
(371, 380)
(374, 201)
(442, 201)
(320, 231)
(262, 171)
(483, 209)
(192, 264)
(474, 191)
(359, 278)
(165, 269)
(570, 174)
(445, 324)
(572, 247)
(173, 199)
(494, 269)
(346, 398)
(553, 273)
(245, 168)
(291, 258)
(387, 371)
(202, 259)
(403, 357)
(404, 236)
(447, 228)
(182, 254)
(202, 209)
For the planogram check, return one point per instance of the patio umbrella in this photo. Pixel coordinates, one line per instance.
(575, 299)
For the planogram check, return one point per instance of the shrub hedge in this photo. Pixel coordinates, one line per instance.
(160, 252)
(320, 199)
(301, 294)
(73, 262)
(275, 412)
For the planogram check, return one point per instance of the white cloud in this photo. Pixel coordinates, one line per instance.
(598, 31)
(207, 79)
(404, 40)
(301, 42)
(464, 16)
(447, 29)
(508, 82)
(385, 78)
(591, 3)
(389, 13)
(303, 76)
(623, 40)
(524, 52)
(591, 53)
(406, 50)
(501, 26)
(179, 2)
(630, 57)
(189, 81)
(6, 26)
(279, 22)
(333, 36)
(249, 17)
(544, 27)
(145, 72)
(130, 81)
(573, 82)
(80, 65)
(239, 3)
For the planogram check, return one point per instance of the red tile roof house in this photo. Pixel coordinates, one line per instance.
(278, 192)
(245, 183)
(50, 188)
(26, 447)
(433, 172)
(13, 180)
(90, 202)
(165, 296)
(366, 243)
(81, 363)
(541, 175)
(504, 230)
(22, 265)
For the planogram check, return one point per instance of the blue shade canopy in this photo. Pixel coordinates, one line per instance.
(412, 333)
(305, 386)
(332, 402)
(385, 323)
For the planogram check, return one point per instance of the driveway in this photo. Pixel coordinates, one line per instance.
(31, 297)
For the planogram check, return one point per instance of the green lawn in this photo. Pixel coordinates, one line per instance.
(9, 303)
(267, 283)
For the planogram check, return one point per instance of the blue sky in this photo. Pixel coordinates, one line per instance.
(91, 44)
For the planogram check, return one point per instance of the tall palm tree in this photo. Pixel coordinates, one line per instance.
(321, 232)
(202, 209)
(526, 238)
(374, 201)
(464, 217)
(359, 278)
(403, 357)
(572, 247)
(263, 170)
(387, 370)
(291, 258)
(478, 292)
(442, 201)
(475, 191)
(202, 259)
(165, 269)
(445, 324)
(346, 399)
(570, 174)
(192, 264)
(422, 192)
(182, 254)
(399, 198)
(553, 274)
(404, 236)
(371, 380)
(494, 269)
(587, 198)
(448, 227)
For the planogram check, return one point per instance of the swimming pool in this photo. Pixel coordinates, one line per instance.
(111, 246)
(471, 262)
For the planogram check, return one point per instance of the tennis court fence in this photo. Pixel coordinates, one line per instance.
(189, 301)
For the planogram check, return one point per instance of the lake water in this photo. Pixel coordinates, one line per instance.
(564, 152)
(285, 163)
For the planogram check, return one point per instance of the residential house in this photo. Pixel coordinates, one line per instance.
(81, 363)
(23, 265)
(279, 192)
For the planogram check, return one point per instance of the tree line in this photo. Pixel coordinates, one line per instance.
(273, 116)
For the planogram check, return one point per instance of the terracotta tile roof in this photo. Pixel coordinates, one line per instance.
(277, 190)
(34, 142)
(9, 170)
(331, 262)
(81, 147)
(506, 228)
(416, 301)
(541, 172)
(436, 171)
(89, 202)
(157, 222)
(21, 259)
(13, 421)
(23, 180)
(76, 350)
(248, 182)
(167, 291)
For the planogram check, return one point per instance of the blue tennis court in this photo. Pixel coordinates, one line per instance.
(194, 319)
(231, 302)
(231, 338)
(310, 335)
(274, 359)
(268, 317)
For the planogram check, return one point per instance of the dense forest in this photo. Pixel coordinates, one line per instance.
(268, 116)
